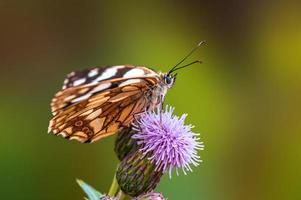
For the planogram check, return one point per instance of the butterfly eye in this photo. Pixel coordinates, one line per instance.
(168, 80)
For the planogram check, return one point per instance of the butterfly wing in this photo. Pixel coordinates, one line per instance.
(87, 116)
(80, 85)
(98, 74)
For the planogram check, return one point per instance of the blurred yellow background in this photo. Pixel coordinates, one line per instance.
(244, 99)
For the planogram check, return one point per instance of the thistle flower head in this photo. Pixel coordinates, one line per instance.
(108, 198)
(167, 141)
(150, 196)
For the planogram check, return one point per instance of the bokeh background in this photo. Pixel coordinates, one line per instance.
(244, 99)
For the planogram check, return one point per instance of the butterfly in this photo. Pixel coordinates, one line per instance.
(98, 102)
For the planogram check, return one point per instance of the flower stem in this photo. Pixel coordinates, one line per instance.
(114, 187)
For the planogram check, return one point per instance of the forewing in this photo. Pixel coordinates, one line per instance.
(80, 85)
(103, 113)
(96, 74)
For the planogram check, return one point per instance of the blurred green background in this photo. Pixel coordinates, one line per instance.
(244, 99)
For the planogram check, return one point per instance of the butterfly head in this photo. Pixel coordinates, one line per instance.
(169, 79)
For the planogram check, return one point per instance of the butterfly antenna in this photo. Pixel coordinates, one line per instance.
(197, 61)
(187, 56)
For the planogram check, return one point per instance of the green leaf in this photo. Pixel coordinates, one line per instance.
(89, 190)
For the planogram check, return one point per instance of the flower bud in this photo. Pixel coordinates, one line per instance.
(124, 144)
(136, 174)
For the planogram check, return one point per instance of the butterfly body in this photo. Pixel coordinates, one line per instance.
(97, 102)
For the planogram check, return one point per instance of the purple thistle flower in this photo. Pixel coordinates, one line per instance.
(169, 142)
(108, 198)
(150, 196)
